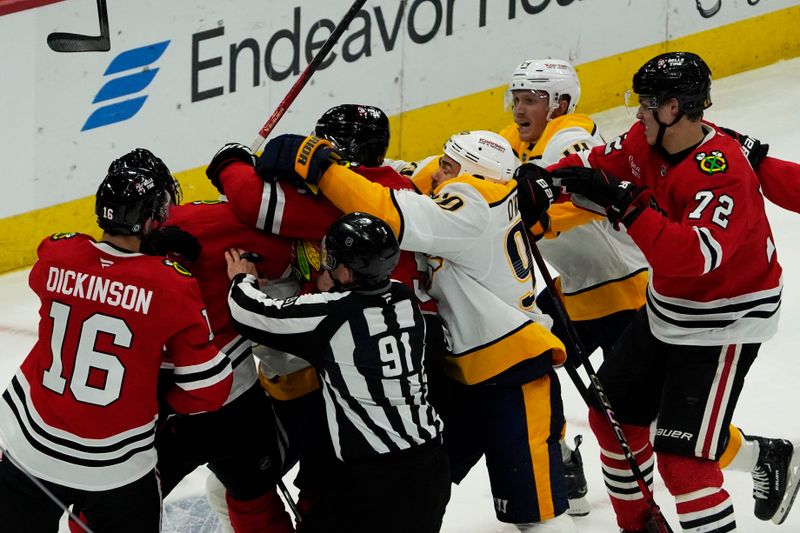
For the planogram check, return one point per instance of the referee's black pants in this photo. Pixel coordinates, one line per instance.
(396, 493)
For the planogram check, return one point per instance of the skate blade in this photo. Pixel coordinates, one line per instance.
(792, 486)
(580, 507)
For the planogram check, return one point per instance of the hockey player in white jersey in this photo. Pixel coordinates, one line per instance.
(602, 273)
(480, 268)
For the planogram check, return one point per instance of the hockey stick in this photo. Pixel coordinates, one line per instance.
(657, 522)
(75, 42)
(577, 380)
(305, 76)
(289, 501)
(46, 491)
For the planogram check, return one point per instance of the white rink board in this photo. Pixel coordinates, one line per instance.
(397, 55)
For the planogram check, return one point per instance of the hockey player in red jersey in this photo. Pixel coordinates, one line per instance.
(239, 442)
(689, 199)
(79, 416)
(283, 208)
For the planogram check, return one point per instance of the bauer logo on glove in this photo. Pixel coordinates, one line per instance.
(294, 155)
(306, 154)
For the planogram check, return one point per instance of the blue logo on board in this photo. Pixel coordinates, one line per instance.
(125, 85)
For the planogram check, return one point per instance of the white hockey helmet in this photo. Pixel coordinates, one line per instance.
(554, 76)
(482, 153)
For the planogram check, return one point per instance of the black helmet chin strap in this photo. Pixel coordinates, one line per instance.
(662, 127)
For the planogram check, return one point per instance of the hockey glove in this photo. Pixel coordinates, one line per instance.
(289, 156)
(226, 155)
(535, 193)
(627, 203)
(171, 240)
(622, 200)
(541, 227)
(752, 147)
(594, 184)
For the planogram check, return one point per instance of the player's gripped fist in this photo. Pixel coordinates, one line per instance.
(534, 191)
(622, 200)
(226, 155)
(171, 240)
(595, 184)
(754, 149)
(294, 155)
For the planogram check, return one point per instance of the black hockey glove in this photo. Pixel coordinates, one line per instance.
(288, 156)
(622, 200)
(752, 147)
(535, 193)
(627, 203)
(594, 184)
(226, 155)
(171, 240)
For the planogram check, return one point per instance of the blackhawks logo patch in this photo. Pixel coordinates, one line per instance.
(307, 259)
(712, 163)
(62, 235)
(177, 267)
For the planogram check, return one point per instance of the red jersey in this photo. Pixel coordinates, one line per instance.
(280, 208)
(779, 179)
(715, 277)
(780, 182)
(81, 410)
(217, 228)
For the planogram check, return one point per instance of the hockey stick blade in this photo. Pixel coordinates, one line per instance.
(73, 42)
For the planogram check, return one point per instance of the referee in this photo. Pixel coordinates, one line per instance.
(366, 339)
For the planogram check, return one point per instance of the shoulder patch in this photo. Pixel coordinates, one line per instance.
(62, 235)
(711, 163)
(448, 201)
(177, 267)
(306, 259)
(207, 202)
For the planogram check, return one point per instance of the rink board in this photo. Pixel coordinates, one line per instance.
(184, 77)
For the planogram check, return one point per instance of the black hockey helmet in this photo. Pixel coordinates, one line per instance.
(359, 132)
(144, 158)
(364, 243)
(128, 197)
(681, 75)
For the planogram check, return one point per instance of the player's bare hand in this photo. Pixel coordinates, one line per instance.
(237, 265)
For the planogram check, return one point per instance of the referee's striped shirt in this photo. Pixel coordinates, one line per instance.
(368, 349)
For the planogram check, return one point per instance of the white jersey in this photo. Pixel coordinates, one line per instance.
(602, 271)
(480, 267)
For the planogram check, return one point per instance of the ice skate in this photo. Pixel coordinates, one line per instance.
(576, 482)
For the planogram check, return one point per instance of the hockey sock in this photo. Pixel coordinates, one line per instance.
(264, 514)
(623, 489)
(73, 526)
(696, 484)
(741, 454)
